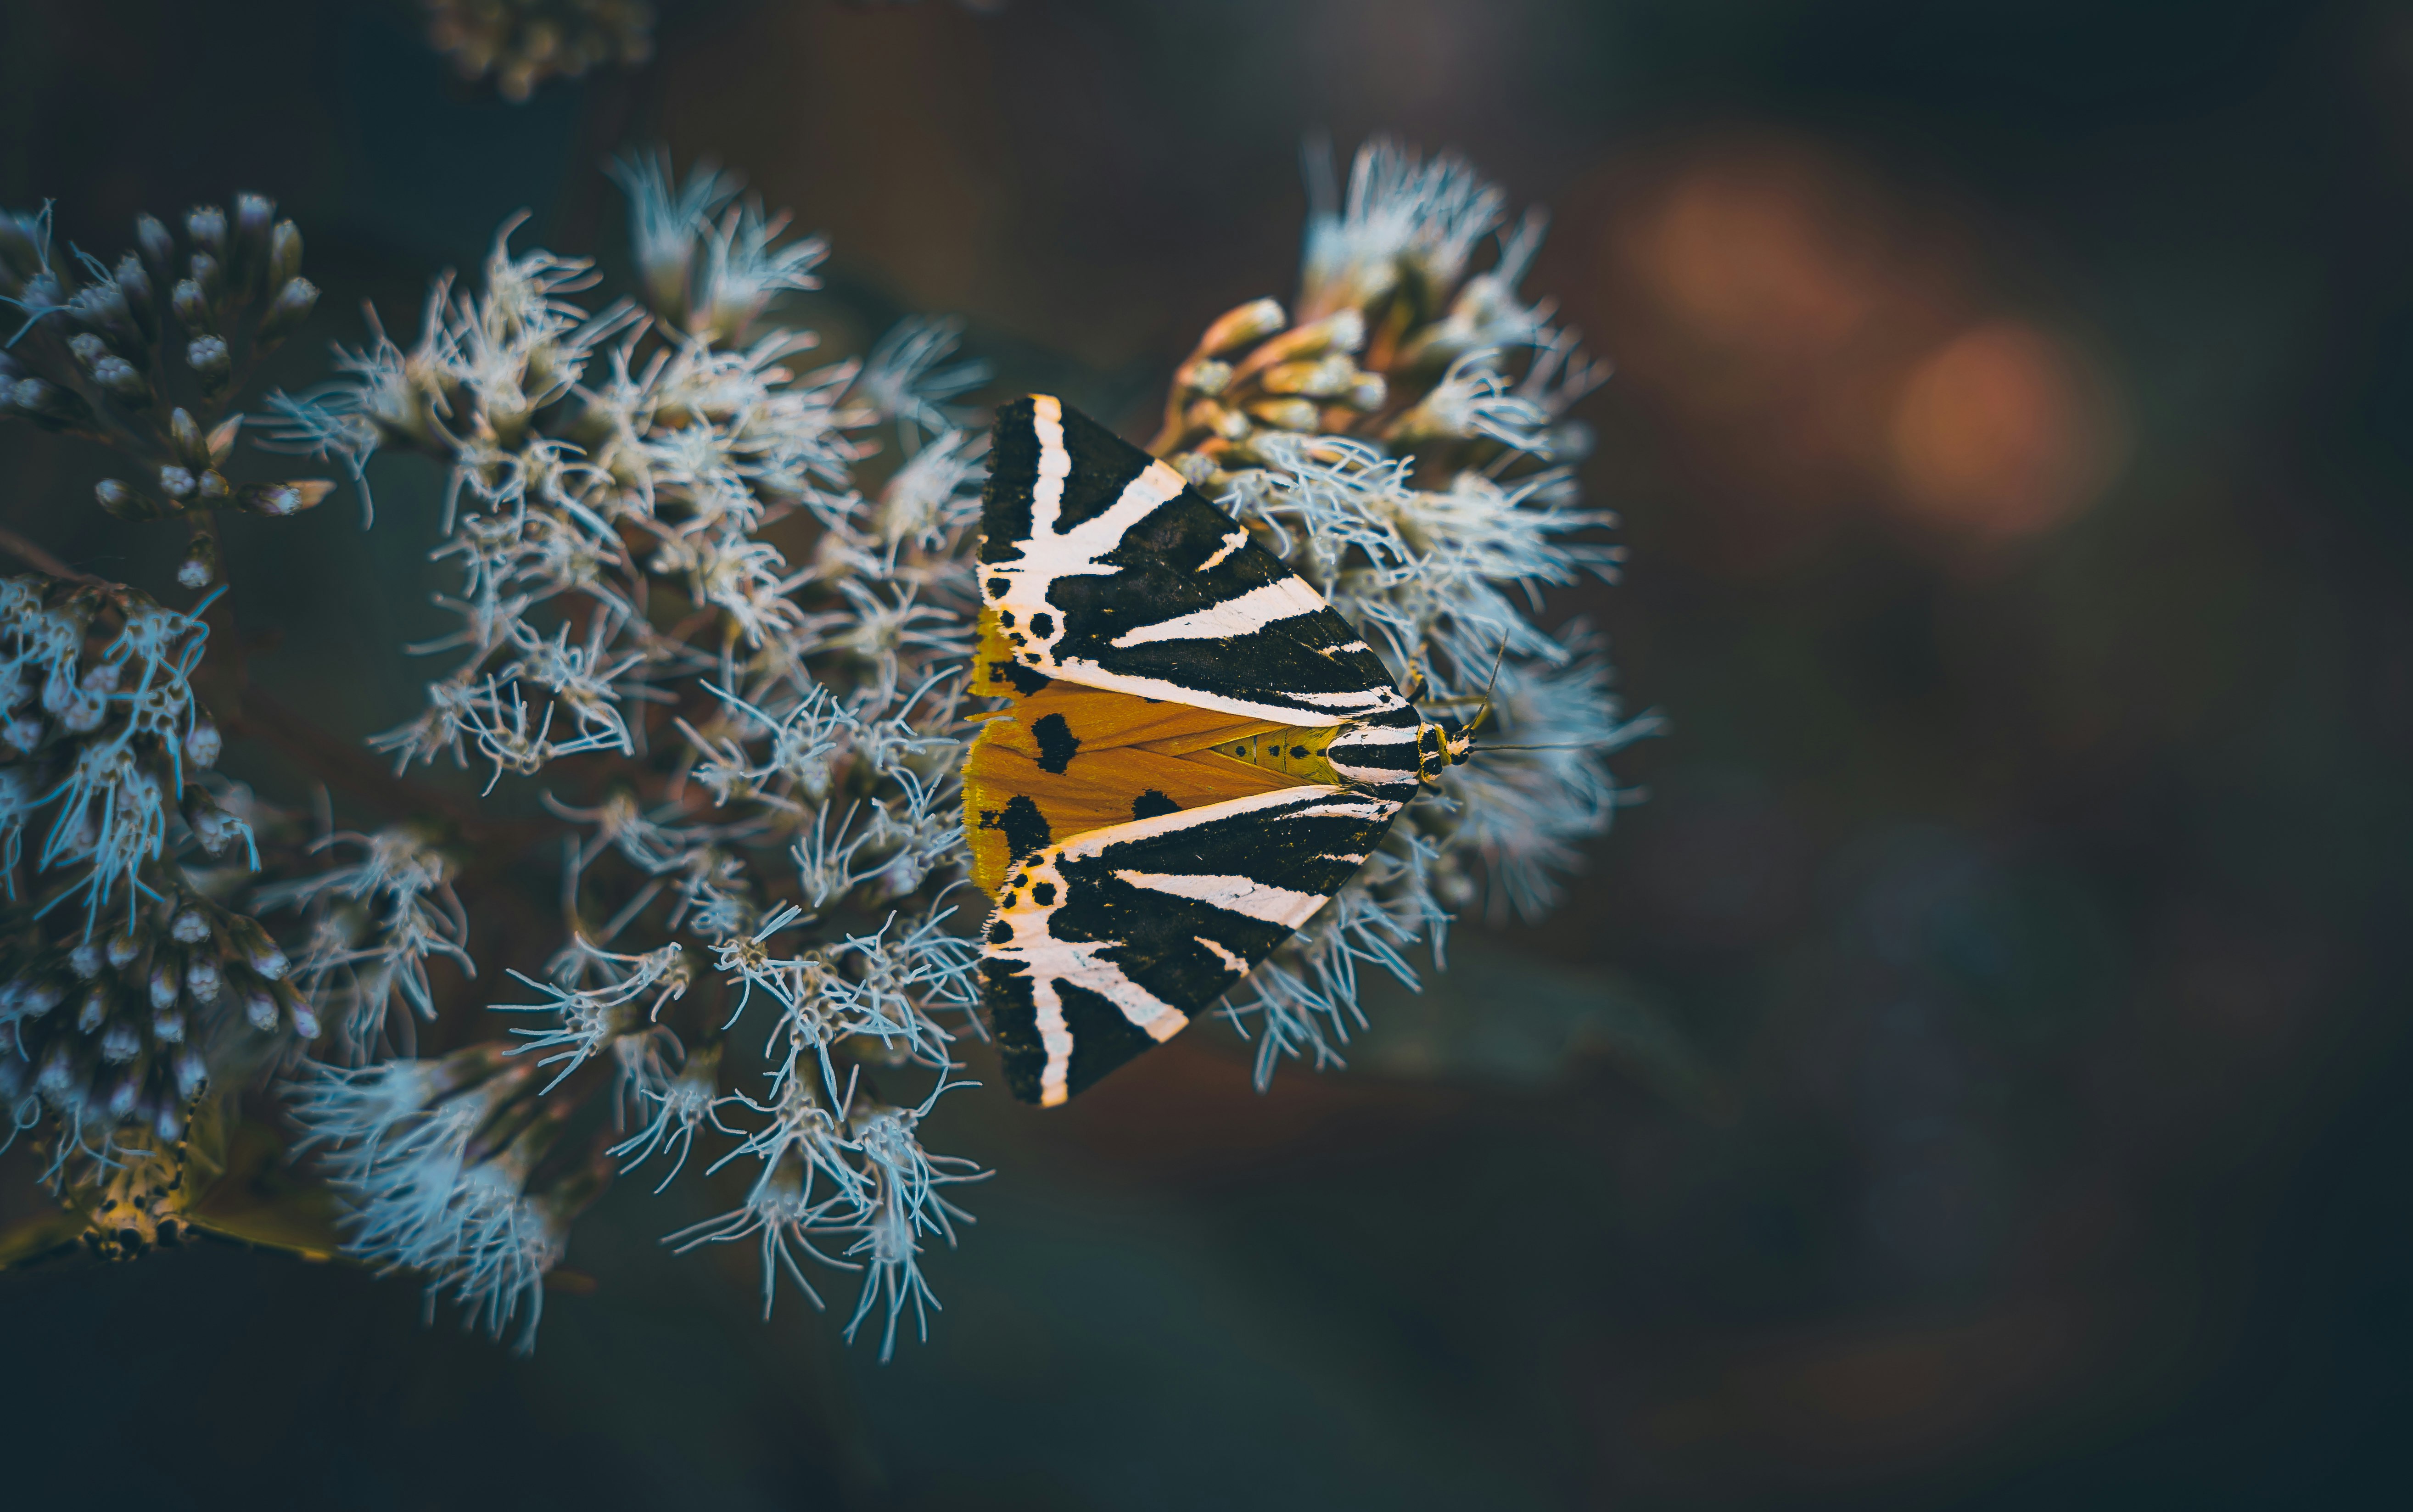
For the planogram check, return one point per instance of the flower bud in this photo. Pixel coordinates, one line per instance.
(1208, 377)
(176, 482)
(213, 828)
(42, 294)
(258, 951)
(1243, 327)
(141, 302)
(192, 307)
(200, 566)
(191, 927)
(202, 981)
(1206, 415)
(212, 364)
(122, 382)
(284, 254)
(192, 1075)
(210, 272)
(201, 746)
(58, 1071)
(1286, 414)
(158, 247)
(49, 406)
(207, 226)
(277, 500)
(1343, 330)
(221, 439)
(211, 490)
(124, 502)
(294, 300)
(260, 1010)
(102, 307)
(165, 985)
(120, 1043)
(247, 247)
(1319, 379)
(184, 433)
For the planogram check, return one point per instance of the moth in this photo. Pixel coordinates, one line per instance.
(1198, 752)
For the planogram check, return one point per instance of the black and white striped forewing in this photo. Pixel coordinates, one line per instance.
(1104, 569)
(1107, 944)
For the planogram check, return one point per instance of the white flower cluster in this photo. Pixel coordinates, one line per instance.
(736, 659)
(373, 928)
(115, 1016)
(700, 593)
(136, 998)
(118, 718)
(1404, 445)
(434, 1157)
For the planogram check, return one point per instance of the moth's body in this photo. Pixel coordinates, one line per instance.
(1197, 754)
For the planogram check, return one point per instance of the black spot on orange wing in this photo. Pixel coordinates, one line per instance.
(1153, 803)
(1026, 682)
(1043, 894)
(1056, 743)
(1043, 626)
(1024, 826)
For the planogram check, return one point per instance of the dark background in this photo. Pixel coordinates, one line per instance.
(1975, 1076)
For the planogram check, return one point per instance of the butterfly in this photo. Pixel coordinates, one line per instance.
(1197, 751)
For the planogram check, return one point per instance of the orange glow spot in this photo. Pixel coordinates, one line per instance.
(1750, 257)
(2003, 431)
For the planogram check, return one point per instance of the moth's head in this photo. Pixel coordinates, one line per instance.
(1441, 746)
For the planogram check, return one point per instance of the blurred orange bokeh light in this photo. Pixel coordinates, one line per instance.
(2001, 430)
(1821, 340)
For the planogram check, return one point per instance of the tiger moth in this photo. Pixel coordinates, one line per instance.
(1195, 754)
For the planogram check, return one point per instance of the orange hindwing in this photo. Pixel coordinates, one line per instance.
(1065, 760)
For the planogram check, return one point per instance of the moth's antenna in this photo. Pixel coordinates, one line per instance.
(1496, 664)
